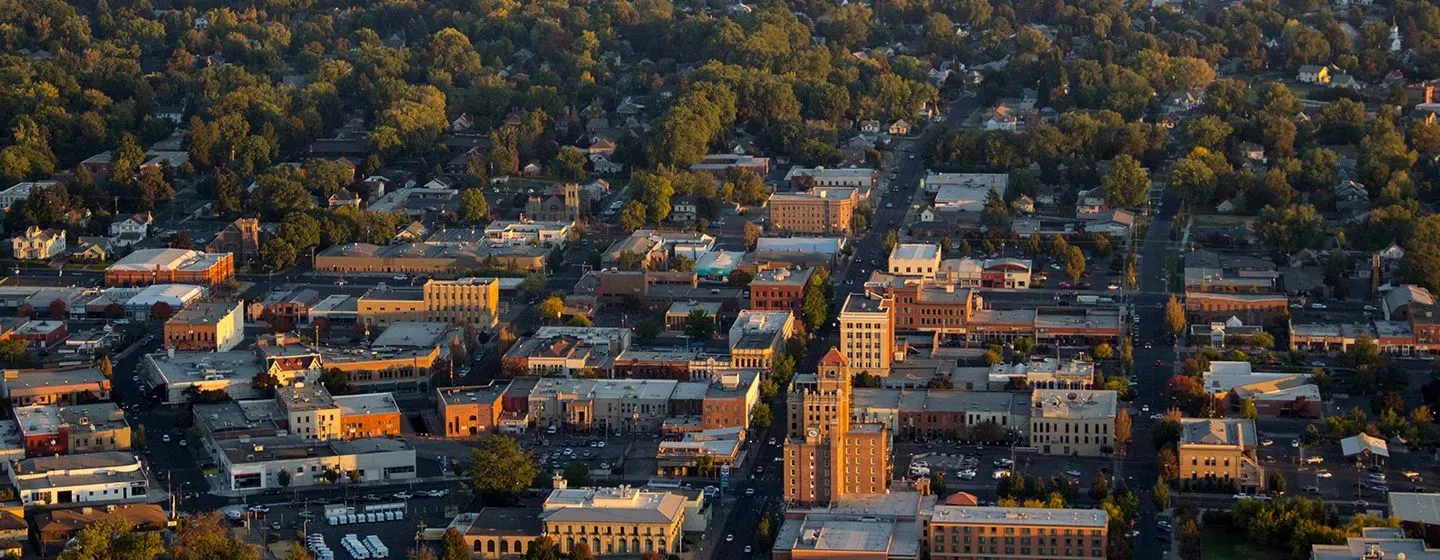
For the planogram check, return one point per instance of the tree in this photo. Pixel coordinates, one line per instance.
(1165, 433)
(106, 367)
(284, 478)
(1103, 351)
(814, 306)
(630, 260)
(1188, 536)
(1174, 316)
(680, 263)
(161, 311)
(577, 474)
(761, 418)
(277, 253)
(699, 325)
(207, 536)
(551, 307)
(1100, 486)
(298, 552)
(113, 539)
(180, 240)
(473, 207)
(1123, 428)
(1126, 184)
(1161, 494)
(1276, 483)
(1074, 264)
(647, 330)
(500, 466)
(1289, 229)
(1248, 410)
(632, 216)
(752, 235)
(892, 238)
(1194, 180)
(1421, 263)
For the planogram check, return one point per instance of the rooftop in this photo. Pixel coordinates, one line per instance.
(915, 251)
(784, 276)
(861, 303)
(1416, 507)
(504, 521)
(256, 450)
(1093, 518)
(298, 397)
(367, 403)
(204, 313)
(472, 394)
(618, 505)
(192, 367)
(412, 334)
(1074, 404)
(1376, 543)
(48, 419)
(33, 380)
(1232, 432)
(145, 260)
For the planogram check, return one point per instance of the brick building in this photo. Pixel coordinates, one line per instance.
(171, 266)
(780, 289)
(472, 410)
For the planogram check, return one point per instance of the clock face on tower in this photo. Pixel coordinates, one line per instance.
(812, 432)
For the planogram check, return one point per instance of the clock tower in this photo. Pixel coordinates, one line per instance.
(826, 457)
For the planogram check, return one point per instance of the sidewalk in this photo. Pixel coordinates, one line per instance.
(216, 482)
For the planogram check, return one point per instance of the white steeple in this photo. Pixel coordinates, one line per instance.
(1394, 37)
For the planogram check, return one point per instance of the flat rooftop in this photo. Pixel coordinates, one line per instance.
(473, 394)
(915, 251)
(1074, 404)
(860, 303)
(192, 367)
(784, 276)
(412, 334)
(145, 260)
(204, 313)
(48, 419)
(850, 534)
(367, 403)
(31, 380)
(259, 450)
(1020, 516)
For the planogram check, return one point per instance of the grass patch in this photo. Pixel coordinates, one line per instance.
(1223, 545)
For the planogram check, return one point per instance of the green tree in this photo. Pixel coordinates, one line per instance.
(1100, 486)
(680, 263)
(1165, 433)
(551, 307)
(1161, 494)
(630, 260)
(1103, 351)
(1277, 483)
(113, 539)
(1074, 264)
(647, 330)
(892, 238)
(632, 215)
(1194, 180)
(277, 254)
(760, 418)
(500, 466)
(815, 308)
(1174, 316)
(569, 164)
(284, 478)
(1126, 184)
(473, 207)
(1421, 263)
(1290, 229)
(577, 474)
(699, 325)
(1248, 410)
(453, 545)
(208, 537)
(752, 235)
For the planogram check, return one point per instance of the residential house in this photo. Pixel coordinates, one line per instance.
(1184, 101)
(683, 209)
(531, 169)
(1313, 74)
(602, 165)
(38, 244)
(601, 146)
(1001, 119)
(343, 198)
(1091, 202)
(1115, 221)
(413, 233)
(1344, 81)
(130, 230)
(91, 249)
(78, 217)
(869, 126)
(900, 128)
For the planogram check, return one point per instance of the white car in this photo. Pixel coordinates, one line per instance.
(402, 495)
(967, 474)
(1295, 443)
(1000, 473)
(1317, 305)
(1073, 472)
(1267, 442)
(1324, 474)
(1157, 416)
(1369, 307)
(729, 537)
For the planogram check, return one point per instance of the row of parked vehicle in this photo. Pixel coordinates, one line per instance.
(315, 543)
(370, 547)
(368, 517)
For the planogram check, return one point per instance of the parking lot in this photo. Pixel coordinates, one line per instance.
(626, 456)
(954, 460)
(287, 522)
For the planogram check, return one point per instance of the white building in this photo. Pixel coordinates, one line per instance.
(915, 259)
(516, 232)
(21, 191)
(180, 372)
(130, 230)
(1072, 421)
(261, 463)
(111, 476)
(177, 296)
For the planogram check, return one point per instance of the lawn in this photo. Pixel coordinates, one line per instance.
(1226, 545)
